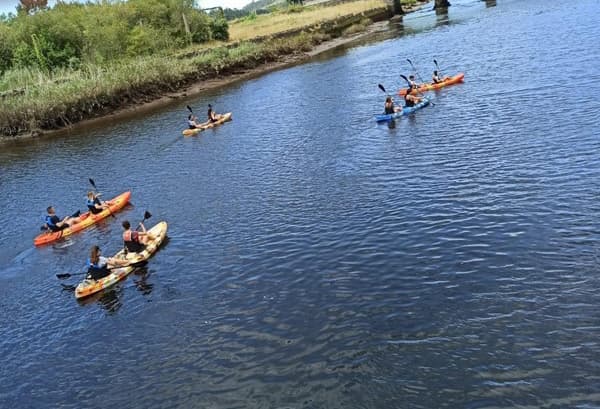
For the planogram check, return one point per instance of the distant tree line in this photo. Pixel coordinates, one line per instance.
(70, 34)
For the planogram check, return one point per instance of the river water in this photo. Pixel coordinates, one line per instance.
(318, 260)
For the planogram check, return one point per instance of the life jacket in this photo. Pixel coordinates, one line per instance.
(91, 203)
(95, 272)
(132, 242)
(389, 109)
(49, 222)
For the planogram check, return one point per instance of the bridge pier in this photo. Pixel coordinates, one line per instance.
(441, 4)
(397, 7)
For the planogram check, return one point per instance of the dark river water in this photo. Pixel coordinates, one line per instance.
(318, 260)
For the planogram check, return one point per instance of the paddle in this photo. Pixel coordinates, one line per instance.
(424, 97)
(147, 215)
(96, 189)
(417, 72)
(190, 109)
(438, 68)
(67, 275)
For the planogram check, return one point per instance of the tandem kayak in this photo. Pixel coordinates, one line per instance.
(224, 118)
(88, 286)
(430, 86)
(405, 111)
(85, 220)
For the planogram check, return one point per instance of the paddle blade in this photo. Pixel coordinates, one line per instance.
(92, 182)
(190, 109)
(381, 88)
(409, 61)
(435, 62)
(147, 215)
(405, 79)
(61, 276)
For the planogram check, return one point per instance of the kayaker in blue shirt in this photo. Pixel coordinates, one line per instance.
(54, 223)
(99, 267)
(389, 106)
(94, 204)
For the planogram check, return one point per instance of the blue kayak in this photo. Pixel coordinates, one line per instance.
(405, 111)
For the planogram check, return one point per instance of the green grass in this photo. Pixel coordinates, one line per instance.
(32, 99)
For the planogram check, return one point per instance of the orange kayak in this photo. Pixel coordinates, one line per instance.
(430, 86)
(85, 220)
(224, 118)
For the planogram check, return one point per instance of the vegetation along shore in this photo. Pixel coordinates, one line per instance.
(74, 62)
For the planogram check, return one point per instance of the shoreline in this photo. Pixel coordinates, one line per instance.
(149, 103)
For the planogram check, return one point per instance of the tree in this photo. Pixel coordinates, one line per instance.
(31, 6)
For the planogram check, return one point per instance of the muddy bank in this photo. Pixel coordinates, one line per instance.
(291, 47)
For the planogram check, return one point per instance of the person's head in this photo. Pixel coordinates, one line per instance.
(435, 73)
(50, 210)
(90, 195)
(126, 225)
(411, 77)
(388, 100)
(95, 254)
(209, 106)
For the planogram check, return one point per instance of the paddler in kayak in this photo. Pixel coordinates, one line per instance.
(412, 84)
(389, 106)
(410, 99)
(54, 223)
(212, 117)
(94, 204)
(435, 78)
(193, 122)
(99, 267)
(135, 241)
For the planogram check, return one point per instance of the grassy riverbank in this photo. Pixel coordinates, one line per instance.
(34, 100)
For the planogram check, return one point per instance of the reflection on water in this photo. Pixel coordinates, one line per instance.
(490, 3)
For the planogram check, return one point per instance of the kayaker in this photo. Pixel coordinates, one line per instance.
(133, 240)
(412, 83)
(410, 100)
(94, 204)
(389, 106)
(99, 267)
(54, 223)
(212, 117)
(193, 122)
(436, 79)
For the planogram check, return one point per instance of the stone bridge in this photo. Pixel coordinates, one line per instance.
(439, 4)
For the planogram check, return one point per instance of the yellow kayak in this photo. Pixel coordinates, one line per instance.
(224, 118)
(88, 287)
